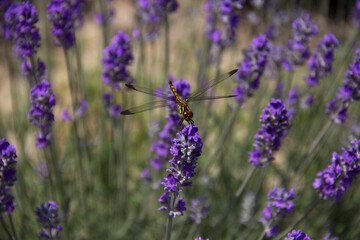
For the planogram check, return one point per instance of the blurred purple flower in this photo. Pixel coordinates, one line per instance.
(251, 68)
(60, 13)
(355, 14)
(8, 176)
(320, 63)
(200, 238)
(20, 28)
(297, 235)
(4, 5)
(274, 126)
(280, 204)
(297, 50)
(334, 181)
(117, 57)
(337, 108)
(223, 13)
(48, 217)
(307, 101)
(102, 17)
(186, 149)
(34, 74)
(199, 209)
(42, 101)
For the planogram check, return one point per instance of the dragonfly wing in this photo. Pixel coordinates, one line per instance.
(211, 84)
(147, 106)
(152, 92)
(200, 98)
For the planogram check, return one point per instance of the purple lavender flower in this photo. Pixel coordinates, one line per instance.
(199, 209)
(307, 101)
(297, 235)
(334, 181)
(275, 124)
(297, 51)
(355, 14)
(4, 5)
(186, 149)
(48, 217)
(280, 204)
(337, 108)
(328, 236)
(200, 238)
(292, 101)
(77, 7)
(117, 57)
(226, 14)
(320, 63)
(251, 68)
(42, 101)
(34, 74)
(148, 18)
(20, 28)
(7, 176)
(60, 13)
(167, 6)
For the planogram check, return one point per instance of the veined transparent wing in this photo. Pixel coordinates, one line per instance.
(202, 98)
(152, 92)
(196, 95)
(149, 106)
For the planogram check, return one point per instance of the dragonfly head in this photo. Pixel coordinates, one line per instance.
(188, 115)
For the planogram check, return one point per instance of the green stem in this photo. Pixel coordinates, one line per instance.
(302, 217)
(307, 159)
(170, 218)
(233, 202)
(5, 228)
(33, 71)
(226, 133)
(83, 181)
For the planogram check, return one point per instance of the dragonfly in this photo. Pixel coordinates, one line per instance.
(183, 104)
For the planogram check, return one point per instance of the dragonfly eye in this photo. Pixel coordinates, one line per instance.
(188, 114)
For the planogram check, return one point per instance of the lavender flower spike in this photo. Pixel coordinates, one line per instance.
(297, 235)
(319, 65)
(186, 149)
(334, 181)
(251, 68)
(7, 176)
(42, 101)
(48, 217)
(274, 125)
(117, 56)
(223, 13)
(337, 108)
(20, 28)
(297, 50)
(60, 13)
(280, 204)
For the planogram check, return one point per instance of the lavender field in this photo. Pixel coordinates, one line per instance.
(169, 119)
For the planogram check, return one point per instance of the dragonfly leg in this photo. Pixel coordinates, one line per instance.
(181, 121)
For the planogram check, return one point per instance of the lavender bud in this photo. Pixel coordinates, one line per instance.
(117, 57)
(297, 235)
(42, 101)
(48, 217)
(7, 176)
(20, 28)
(275, 124)
(334, 181)
(280, 204)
